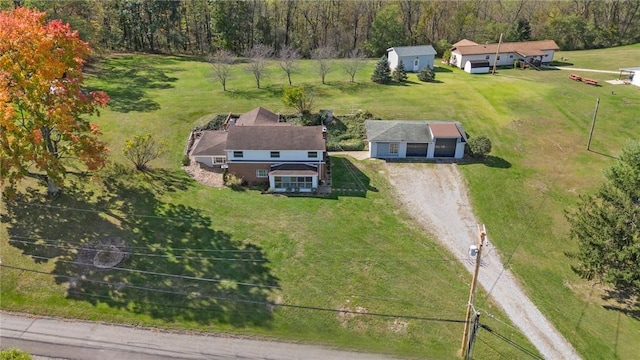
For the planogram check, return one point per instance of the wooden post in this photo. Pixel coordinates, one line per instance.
(472, 292)
(593, 124)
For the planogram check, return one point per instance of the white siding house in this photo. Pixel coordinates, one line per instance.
(503, 54)
(414, 58)
(258, 148)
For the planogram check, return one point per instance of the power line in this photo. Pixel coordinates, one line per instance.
(48, 244)
(140, 254)
(512, 343)
(266, 303)
(160, 274)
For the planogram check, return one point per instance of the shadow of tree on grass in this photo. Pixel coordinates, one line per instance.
(175, 265)
(127, 78)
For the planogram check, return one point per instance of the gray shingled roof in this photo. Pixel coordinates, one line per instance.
(260, 117)
(211, 143)
(411, 130)
(398, 130)
(414, 50)
(275, 138)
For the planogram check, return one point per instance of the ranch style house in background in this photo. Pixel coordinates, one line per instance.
(389, 139)
(258, 147)
(414, 58)
(531, 52)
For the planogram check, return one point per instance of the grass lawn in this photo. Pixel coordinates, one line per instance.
(238, 252)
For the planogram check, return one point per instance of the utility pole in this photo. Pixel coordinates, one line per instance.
(482, 234)
(495, 61)
(593, 123)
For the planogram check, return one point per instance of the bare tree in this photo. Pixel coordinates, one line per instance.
(288, 60)
(354, 61)
(221, 62)
(258, 57)
(324, 56)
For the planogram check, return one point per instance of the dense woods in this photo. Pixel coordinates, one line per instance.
(205, 26)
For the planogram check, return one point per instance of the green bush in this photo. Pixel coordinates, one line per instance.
(479, 146)
(186, 161)
(14, 354)
(216, 122)
(427, 74)
(233, 181)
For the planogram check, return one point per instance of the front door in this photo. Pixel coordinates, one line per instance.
(416, 64)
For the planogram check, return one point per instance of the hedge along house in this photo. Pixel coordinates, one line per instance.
(506, 53)
(414, 58)
(389, 139)
(259, 148)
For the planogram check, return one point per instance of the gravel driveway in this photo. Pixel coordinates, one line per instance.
(425, 190)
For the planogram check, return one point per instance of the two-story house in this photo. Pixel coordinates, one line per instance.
(258, 147)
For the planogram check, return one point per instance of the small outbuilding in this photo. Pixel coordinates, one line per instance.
(477, 66)
(414, 58)
(632, 75)
(389, 139)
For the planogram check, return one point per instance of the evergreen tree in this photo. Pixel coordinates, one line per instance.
(606, 226)
(382, 72)
(427, 74)
(399, 73)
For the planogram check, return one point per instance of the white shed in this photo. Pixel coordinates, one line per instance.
(477, 66)
(632, 75)
(414, 58)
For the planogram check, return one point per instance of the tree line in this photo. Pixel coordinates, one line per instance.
(372, 26)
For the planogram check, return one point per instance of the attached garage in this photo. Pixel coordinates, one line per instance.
(417, 149)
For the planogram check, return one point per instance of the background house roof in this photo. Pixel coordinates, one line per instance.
(413, 50)
(275, 138)
(464, 42)
(524, 48)
(260, 117)
(211, 143)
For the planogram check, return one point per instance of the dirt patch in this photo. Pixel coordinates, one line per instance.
(104, 253)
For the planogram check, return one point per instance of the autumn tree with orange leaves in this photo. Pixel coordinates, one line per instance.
(43, 107)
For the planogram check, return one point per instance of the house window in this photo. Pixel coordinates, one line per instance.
(262, 173)
(393, 148)
(487, 57)
(498, 57)
(238, 154)
(275, 154)
(312, 154)
(293, 182)
(510, 56)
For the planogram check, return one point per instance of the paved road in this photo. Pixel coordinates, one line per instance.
(65, 339)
